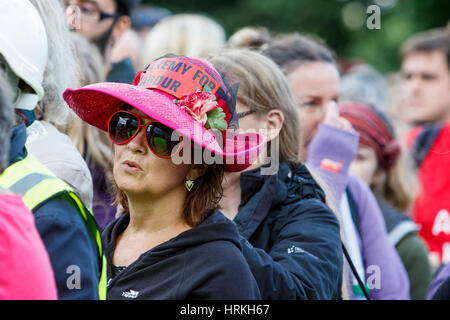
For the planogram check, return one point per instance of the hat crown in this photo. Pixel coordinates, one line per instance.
(181, 75)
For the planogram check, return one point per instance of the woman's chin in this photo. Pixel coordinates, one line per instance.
(130, 185)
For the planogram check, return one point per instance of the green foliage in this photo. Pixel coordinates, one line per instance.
(324, 18)
(216, 119)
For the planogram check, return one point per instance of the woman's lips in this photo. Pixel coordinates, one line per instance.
(131, 166)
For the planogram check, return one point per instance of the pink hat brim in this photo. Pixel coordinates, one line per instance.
(96, 103)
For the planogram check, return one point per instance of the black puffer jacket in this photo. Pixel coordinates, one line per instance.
(290, 237)
(202, 263)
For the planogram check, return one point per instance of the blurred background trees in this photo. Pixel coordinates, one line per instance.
(341, 23)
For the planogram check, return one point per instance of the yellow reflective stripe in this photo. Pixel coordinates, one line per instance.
(22, 168)
(28, 182)
(43, 191)
(90, 222)
(14, 173)
(34, 191)
(102, 283)
(81, 207)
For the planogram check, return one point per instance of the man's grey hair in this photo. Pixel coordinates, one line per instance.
(6, 119)
(61, 70)
(367, 85)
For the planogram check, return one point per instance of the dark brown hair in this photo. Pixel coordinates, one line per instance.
(203, 199)
(290, 50)
(427, 41)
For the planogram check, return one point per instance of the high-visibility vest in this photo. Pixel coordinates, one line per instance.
(37, 184)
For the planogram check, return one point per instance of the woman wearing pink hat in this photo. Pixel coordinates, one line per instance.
(172, 243)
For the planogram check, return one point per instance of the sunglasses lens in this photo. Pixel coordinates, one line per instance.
(122, 127)
(159, 138)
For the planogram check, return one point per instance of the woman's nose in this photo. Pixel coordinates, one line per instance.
(138, 143)
(328, 110)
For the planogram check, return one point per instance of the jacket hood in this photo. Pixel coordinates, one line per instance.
(216, 227)
(292, 180)
(261, 194)
(204, 262)
(295, 250)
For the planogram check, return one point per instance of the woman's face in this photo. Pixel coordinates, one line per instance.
(315, 87)
(252, 122)
(365, 164)
(138, 171)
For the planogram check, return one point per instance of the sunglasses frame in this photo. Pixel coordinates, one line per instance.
(141, 124)
(102, 15)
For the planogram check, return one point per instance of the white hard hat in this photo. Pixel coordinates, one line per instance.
(23, 44)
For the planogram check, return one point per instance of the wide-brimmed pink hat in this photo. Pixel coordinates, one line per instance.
(183, 93)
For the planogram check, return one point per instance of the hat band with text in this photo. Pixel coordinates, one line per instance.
(176, 77)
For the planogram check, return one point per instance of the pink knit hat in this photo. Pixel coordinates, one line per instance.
(183, 93)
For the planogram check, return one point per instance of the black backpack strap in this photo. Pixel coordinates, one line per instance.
(355, 273)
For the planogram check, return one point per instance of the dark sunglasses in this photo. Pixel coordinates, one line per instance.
(123, 126)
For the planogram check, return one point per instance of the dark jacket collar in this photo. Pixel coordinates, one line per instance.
(17, 140)
(214, 228)
(122, 71)
(257, 196)
(392, 216)
(260, 194)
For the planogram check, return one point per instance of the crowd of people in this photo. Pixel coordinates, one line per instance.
(146, 155)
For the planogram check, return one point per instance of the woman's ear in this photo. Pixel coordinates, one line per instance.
(275, 120)
(196, 171)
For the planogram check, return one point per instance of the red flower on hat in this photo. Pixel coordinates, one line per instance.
(198, 104)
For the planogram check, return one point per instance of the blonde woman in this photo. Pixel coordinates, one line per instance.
(193, 35)
(290, 237)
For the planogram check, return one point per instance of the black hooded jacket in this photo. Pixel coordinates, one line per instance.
(290, 237)
(204, 262)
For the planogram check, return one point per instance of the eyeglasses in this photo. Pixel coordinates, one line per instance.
(245, 113)
(123, 126)
(87, 11)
